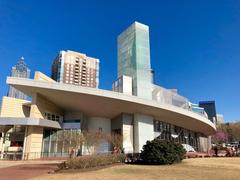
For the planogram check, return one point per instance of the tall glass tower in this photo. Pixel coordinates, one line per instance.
(19, 70)
(134, 58)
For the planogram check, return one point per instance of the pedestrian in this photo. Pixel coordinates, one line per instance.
(71, 153)
(216, 150)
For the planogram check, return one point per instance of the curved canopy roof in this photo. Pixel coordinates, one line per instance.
(11, 121)
(109, 104)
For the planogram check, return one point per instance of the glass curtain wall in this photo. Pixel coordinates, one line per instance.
(59, 143)
(168, 131)
(134, 58)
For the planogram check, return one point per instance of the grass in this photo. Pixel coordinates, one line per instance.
(197, 169)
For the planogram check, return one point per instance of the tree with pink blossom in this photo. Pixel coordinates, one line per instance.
(220, 137)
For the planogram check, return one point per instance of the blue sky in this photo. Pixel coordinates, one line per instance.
(195, 45)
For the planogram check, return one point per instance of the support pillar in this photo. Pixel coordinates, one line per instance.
(143, 131)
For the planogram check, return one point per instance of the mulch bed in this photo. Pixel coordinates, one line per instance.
(87, 169)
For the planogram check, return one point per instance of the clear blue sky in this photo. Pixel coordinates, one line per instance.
(195, 45)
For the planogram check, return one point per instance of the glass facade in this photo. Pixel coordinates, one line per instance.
(168, 131)
(134, 58)
(58, 143)
(210, 109)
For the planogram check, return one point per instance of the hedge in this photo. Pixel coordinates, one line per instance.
(90, 161)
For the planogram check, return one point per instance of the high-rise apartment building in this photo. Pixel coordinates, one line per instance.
(19, 70)
(76, 68)
(134, 58)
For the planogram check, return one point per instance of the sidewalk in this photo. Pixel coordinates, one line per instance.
(6, 163)
(22, 170)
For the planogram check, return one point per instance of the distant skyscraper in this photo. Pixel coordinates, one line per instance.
(19, 70)
(210, 109)
(134, 58)
(76, 68)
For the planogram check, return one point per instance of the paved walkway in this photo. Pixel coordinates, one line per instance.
(22, 170)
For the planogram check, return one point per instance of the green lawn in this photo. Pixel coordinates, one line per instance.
(197, 169)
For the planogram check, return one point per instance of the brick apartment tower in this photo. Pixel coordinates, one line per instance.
(76, 68)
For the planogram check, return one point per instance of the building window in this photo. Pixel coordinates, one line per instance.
(156, 126)
(52, 116)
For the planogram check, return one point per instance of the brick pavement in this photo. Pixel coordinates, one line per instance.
(26, 171)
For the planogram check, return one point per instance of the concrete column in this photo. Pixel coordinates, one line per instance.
(24, 143)
(127, 132)
(143, 131)
(33, 145)
(2, 145)
(205, 144)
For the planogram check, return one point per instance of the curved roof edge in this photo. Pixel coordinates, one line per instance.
(117, 102)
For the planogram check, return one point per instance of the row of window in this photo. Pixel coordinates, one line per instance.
(171, 132)
(82, 84)
(79, 78)
(52, 116)
(71, 73)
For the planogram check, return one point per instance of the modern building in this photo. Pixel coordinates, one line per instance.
(134, 58)
(76, 68)
(81, 108)
(19, 70)
(197, 109)
(136, 109)
(169, 96)
(220, 119)
(210, 109)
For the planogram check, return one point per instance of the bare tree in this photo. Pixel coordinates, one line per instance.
(70, 140)
(116, 140)
(92, 140)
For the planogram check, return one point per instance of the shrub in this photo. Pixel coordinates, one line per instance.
(91, 161)
(162, 152)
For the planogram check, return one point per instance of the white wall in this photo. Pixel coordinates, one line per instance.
(94, 124)
(143, 131)
(127, 85)
(127, 131)
(128, 138)
(123, 85)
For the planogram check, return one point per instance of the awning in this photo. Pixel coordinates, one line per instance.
(8, 121)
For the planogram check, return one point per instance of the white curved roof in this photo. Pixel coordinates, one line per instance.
(109, 104)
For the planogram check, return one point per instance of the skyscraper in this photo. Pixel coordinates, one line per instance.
(76, 68)
(134, 58)
(19, 70)
(210, 109)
